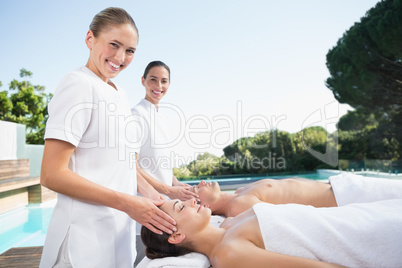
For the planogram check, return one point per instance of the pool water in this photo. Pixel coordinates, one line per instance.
(26, 227)
(245, 180)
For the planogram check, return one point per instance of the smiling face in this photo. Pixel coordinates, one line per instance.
(190, 216)
(156, 84)
(112, 50)
(208, 192)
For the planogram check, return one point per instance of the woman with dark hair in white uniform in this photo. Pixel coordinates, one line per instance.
(154, 159)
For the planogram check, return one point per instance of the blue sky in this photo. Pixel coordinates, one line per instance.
(237, 66)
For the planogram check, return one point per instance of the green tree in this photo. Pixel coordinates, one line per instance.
(358, 120)
(5, 104)
(270, 151)
(315, 138)
(353, 144)
(366, 63)
(238, 153)
(366, 72)
(205, 164)
(26, 105)
(182, 172)
(381, 144)
(278, 151)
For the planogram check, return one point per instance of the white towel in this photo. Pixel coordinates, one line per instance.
(356, 235)
(196, 260)
(350, 188)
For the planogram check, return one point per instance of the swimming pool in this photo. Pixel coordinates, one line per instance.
(25, 227)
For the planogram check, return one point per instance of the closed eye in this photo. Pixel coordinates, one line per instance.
(182, 207)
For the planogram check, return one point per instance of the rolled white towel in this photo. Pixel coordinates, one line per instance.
(194, 259)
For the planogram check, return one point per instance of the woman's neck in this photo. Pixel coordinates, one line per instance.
(208, 240)
(90, 66)
(153, 102)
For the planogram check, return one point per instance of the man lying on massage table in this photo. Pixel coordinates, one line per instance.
(342, 189)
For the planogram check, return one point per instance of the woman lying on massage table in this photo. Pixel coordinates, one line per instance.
(291, 235)
(342, 189)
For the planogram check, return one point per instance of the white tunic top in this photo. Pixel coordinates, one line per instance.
(93, 116)
(154, 157)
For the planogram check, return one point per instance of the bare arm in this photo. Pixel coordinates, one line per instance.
(156, 184)
(237, 254)
(146, 189)
(180, 192)
(56, 176)
(176, 182)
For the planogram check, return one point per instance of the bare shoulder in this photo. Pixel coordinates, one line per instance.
(239, 190)
(242, 203)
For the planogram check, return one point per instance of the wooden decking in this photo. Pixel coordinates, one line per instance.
(18, 188)
(28, 257)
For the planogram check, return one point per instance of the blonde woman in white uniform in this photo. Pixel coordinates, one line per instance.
(89, 162)
(154, 157)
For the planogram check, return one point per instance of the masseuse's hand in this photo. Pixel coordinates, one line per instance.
(182, 192)
(146, 212)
